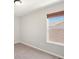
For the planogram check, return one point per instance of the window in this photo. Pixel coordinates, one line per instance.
(56, 28)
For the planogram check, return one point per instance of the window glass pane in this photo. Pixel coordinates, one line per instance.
(56, 29)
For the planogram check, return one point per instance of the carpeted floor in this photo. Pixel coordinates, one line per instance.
(25, 52)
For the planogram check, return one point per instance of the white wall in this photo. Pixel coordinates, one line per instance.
(16, 29)
(34, 28)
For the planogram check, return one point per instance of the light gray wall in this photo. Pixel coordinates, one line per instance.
(16, 29)
(34, 28)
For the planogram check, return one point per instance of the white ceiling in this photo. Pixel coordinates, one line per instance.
(30, 5)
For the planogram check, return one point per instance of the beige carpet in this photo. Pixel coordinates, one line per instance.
(25, 52)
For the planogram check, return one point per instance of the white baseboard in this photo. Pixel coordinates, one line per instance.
(43, 50)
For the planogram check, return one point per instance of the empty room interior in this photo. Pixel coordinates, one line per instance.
(38, 29)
